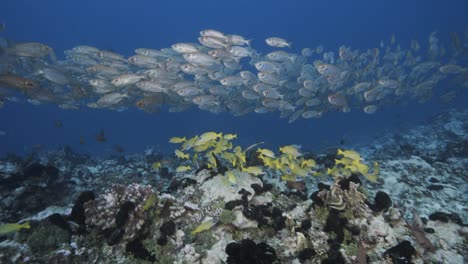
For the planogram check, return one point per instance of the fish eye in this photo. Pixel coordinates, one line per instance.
(29, 83)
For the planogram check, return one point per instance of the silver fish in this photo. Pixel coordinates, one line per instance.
(278, 42)
(126, 79)
(111, 99)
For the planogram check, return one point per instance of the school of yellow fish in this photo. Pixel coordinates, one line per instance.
(211, 148)
(223, 72)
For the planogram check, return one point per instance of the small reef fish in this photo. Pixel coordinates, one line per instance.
(183, 168)
(292, 150)
(13, 227)
(231, 177)
(230, 136)
(205, 226)
(150, 202)
(156, 165)
(349, 154)
(177, 140)
(266, 153)
(254, 170)
(179, 154)
(101, 137)
(208, 136)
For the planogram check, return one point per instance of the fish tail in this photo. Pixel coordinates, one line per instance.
(26, 225)
(340, 152)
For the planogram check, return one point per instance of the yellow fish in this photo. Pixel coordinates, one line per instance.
(292, 150)
(150, 202)
(266, 152)
(273, 164)
(300, 171)
(179, 154)
(230, 136)
(183, 168)
(208, 136)
(9, 228)
(189, 143)
(211, 160)
(240, 156)
(336, 172)
(156, 165)
(202, 147)
(308, 163)
(349, 154)
(375, 172)
(221, 146)
(231, 177)
(288, 177)
(229, 157)
(345, 161)
(195, 158)
(177, 140)
(254, 170)
(207, 225)
(284, 168)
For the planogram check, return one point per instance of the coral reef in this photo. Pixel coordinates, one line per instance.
(125, 210)
(119, 212)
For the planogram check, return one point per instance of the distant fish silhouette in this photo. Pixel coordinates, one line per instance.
(101, 136)
(118, 148)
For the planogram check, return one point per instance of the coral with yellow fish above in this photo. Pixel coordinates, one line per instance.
(212, 148)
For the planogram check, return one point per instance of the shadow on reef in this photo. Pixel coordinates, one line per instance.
(32, 189)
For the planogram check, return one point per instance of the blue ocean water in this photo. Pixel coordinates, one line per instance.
(122, 26)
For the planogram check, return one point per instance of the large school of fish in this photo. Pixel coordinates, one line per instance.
(223, 73)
